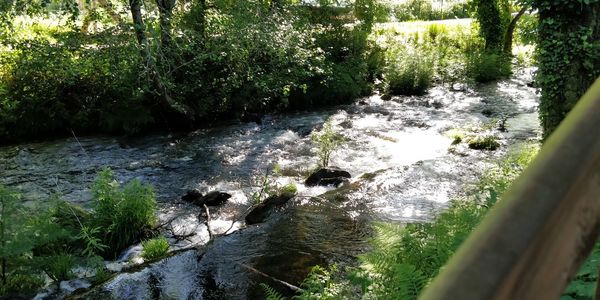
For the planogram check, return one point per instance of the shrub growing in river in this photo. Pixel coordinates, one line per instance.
(327, 141)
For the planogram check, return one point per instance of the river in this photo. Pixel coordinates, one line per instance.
(400, 153)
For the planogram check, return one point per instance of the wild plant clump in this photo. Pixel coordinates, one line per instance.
(488, 142)
(488, 66)
(122, 214)
(50, 241)
(155, 248)
(270, 187)
(328, 141)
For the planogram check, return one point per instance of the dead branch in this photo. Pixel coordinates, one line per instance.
(289, 286)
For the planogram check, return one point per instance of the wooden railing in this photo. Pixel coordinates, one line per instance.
(533, 241)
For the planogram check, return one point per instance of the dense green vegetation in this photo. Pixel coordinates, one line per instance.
(68, 68)
(52, 240)
(227, 58)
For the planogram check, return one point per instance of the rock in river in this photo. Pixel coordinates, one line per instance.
(327, 176)
(213, 198)
(261, 211)
(192, 195)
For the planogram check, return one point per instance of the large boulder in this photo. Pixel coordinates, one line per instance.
(192, 195)
(262, 211)
(213, 198)
(327, 176)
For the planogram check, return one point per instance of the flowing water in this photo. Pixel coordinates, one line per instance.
(399, 152)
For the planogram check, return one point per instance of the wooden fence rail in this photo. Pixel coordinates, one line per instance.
(532, 243)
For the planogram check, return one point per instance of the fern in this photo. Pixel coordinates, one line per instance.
(271, 293)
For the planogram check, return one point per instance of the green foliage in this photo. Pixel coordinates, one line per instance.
(568, 56)
(493, 17)
(29, 242)
(270, 293)
(324, 284)
(19, 284)
(227, 58)
(488, 66)
(420, 53)
(58, 267)
(56, 238)
(409, 74)
(91, 240)
(583, 286)
(526, 31)
(422, 10)
(487, 142)
(270, 187)
(48, 87)
(289, 188)
(327, 141)
(122, 213)
(155, 248)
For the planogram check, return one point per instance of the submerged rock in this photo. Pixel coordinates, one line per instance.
(327, 176)
(213, 198)
(261, 211)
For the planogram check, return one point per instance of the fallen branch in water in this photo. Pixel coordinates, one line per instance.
(208, 222)
(289, 286)
(238, 219)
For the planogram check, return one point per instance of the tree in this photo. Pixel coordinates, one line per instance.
(165, 10)
(568, 54)
(493, 17)
(165, 98)
(510, 30)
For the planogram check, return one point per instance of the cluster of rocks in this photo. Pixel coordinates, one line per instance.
(322, 177)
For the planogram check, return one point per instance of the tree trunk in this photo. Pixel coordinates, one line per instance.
(569, 64)
(166, 101)
(165, 10)
(508, 38)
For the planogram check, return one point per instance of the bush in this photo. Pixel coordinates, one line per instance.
(47, 88)
(327, 141)
(59, 267)
(526, 31)
(488, 66)
(155, 248)
(123, 215)
(409, 73)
